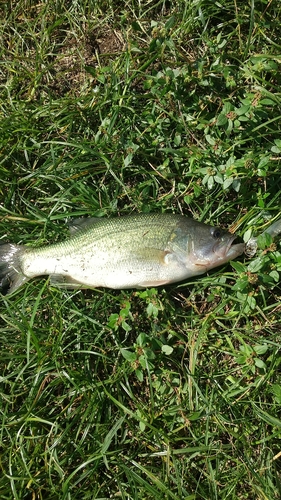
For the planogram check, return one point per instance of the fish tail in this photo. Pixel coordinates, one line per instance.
(11, 276)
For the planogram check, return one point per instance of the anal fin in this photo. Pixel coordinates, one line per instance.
(67, 282)
(152, 283)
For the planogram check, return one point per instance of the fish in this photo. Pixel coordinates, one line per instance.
(131, 251)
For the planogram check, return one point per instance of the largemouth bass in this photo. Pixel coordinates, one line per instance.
(125, 252)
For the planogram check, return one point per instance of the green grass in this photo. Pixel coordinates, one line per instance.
(108, 108)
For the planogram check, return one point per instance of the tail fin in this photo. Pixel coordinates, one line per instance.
(11, 276)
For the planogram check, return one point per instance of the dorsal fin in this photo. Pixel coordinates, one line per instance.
(80, 224)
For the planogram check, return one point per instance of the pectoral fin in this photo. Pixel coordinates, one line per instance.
(162, 258)
(153, 255)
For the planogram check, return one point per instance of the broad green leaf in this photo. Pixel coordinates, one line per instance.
(129, 355)
(167, 349)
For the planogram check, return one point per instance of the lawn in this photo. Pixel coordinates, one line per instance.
(118, 107)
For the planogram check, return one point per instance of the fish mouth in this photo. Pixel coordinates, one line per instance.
(233, 250)
(221, 253)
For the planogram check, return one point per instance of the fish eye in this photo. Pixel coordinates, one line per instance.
(217, 233)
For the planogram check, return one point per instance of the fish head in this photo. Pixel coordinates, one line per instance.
(206, 247)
